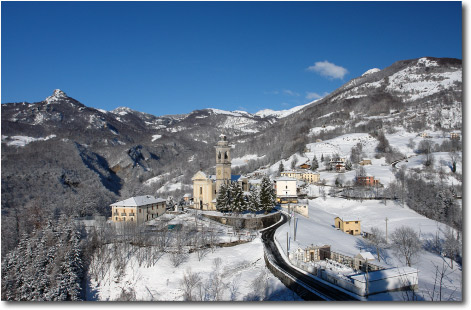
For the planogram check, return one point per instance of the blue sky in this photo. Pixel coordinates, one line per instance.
(176, 57)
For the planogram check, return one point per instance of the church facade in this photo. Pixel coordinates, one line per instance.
(206, 187)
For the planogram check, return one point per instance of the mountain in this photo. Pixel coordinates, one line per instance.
(59, 154)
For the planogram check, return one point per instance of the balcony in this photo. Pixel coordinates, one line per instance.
(123, 214)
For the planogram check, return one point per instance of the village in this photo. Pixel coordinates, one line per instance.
(349, 261)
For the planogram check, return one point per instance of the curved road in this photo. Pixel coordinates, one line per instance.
(324, 291)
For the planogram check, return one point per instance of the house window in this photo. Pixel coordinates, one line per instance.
(132, 219)
(116, 218)
(201, 191)
(356, 222)
(140, 210)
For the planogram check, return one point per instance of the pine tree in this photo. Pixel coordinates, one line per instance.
(314, 164)
(281, 168)
(238, 201)
(253, 203)
(46, 265)
(221, 199)
(348, 165)
(267, 195)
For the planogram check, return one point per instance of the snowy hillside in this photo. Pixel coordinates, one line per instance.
(372, 214)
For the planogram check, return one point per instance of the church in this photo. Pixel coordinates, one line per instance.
(206, 187)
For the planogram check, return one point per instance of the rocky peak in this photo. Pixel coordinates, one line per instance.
(56, 96)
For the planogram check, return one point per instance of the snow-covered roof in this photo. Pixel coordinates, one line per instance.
(384, 274)
(367, 256)
(285, 179)
(255, 181)
(137, 201)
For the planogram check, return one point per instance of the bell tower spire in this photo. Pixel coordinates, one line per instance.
(223, 162)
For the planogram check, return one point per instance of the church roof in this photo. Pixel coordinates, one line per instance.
(199, 175)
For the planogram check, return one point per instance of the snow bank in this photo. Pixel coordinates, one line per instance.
(20, 141)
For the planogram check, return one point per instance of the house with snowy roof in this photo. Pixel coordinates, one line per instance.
(138, 209)
(362, 259)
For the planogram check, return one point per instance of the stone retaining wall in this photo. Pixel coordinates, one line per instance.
(254, 223)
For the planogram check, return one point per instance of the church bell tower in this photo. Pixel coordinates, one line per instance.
(223, 162)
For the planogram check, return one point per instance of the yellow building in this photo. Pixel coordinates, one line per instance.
(204, 191)
(304, 175)
(137, 209)
(310, 176)
(349, 227)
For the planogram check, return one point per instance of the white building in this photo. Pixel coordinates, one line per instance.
(386, 280)
(286, 190)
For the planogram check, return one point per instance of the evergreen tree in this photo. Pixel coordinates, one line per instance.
(223, 200)
(348, 165)
(46, 265)
(238, 204)
(281, 168)
(253, 203)
(267, 195)
(314, 164)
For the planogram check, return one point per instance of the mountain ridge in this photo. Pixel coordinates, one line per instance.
(111, 154)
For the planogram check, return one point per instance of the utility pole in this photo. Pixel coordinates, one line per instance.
(287, 242)
(386, 230)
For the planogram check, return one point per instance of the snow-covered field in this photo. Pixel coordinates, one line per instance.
(241, 266)
(319, 229)
(342, 145)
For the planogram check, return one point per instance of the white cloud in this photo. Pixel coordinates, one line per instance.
(328, 69)
(313, 95)
(290, 92)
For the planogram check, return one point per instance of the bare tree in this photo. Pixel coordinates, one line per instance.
(234, 287)
(188, 284)
(217, 284)
(441, 282)
(377, 239)
(407, 243)
(452, 245)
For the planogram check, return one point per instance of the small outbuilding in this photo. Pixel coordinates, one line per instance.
(349, 227)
